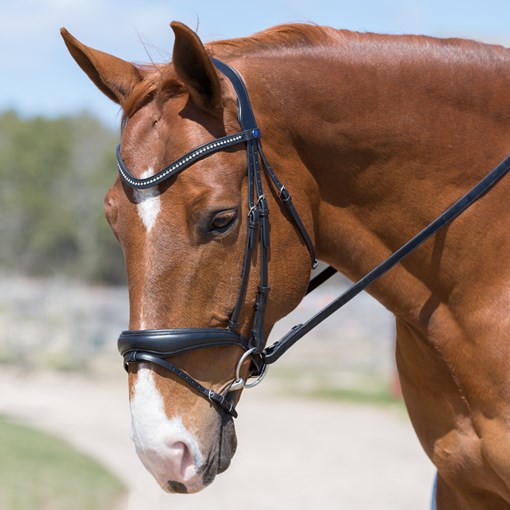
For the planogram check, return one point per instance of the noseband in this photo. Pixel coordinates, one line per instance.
(156, 345)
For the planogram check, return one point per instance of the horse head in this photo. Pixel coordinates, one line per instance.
(184, 241)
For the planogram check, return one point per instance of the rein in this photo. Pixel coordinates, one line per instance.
(155, 346)
(272, 353)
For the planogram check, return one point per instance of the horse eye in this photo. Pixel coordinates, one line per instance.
(222, 222)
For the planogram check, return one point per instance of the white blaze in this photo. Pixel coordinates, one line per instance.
(159, 440)
(149, 202)
(148, 206)
(166, 448)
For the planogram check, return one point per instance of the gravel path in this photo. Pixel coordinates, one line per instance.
(292, 454)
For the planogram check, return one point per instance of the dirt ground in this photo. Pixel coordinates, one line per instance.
(293, 453)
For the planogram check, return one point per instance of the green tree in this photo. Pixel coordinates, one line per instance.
(54, 174)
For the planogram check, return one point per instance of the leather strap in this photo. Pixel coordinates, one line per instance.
(169, 342)
(321, 278)
(222, 401)
(286, 200)
(244, 109)
(182, 163)
(275, 351)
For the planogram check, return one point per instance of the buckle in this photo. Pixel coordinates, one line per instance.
(284, 194)
(240, 383)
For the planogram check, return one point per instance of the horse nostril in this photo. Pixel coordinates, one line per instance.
(177, 487)
(179, 467)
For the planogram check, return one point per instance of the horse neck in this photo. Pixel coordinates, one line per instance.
(387, 133)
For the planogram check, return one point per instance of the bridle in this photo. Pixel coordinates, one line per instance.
(156, 345)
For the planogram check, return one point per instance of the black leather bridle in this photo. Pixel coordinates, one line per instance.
(155, 346)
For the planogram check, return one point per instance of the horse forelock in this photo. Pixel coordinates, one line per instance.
(160, 82)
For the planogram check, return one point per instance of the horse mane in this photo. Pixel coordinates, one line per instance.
(292, 36)
(300, 36)
(159, 81)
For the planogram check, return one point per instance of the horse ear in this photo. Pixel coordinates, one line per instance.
(195, 69)
(115, 77)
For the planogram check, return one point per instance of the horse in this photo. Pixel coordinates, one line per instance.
(373, 136)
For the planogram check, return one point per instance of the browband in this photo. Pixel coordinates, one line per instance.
(187, 160)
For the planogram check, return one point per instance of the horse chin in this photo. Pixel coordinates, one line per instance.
(228, 443)
(222, 456)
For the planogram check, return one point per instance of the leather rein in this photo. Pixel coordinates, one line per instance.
(156, 345)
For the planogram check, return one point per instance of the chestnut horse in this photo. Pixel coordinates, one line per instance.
(374, 136)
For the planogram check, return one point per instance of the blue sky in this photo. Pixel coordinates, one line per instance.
(39, 77)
